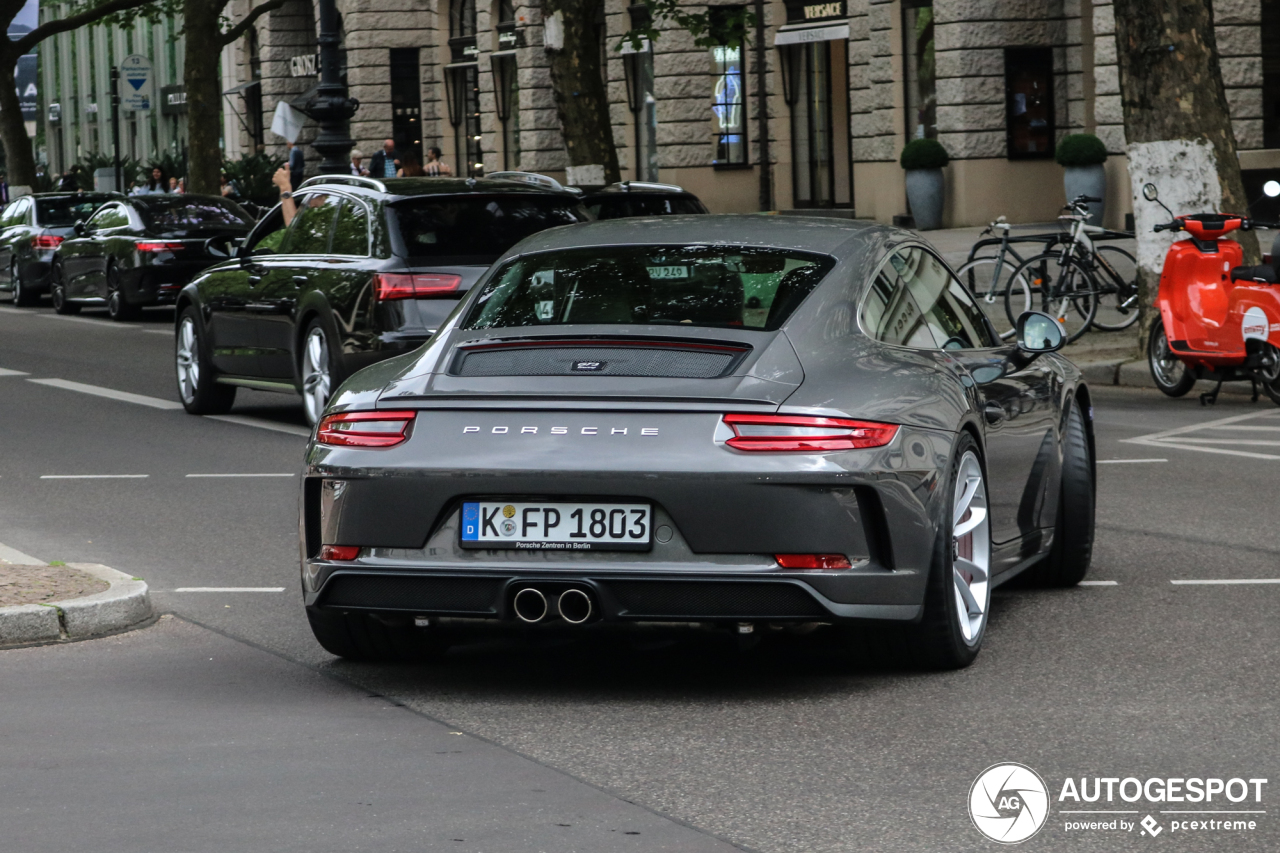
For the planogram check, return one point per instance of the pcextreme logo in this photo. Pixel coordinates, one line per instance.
(1010, 802)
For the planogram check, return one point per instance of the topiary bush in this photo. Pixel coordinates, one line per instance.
(1080, 149)
(924, 154)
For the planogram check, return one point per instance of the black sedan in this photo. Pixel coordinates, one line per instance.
(31, 229)
(365, 270)
(732, 421)
(142, 250)
(641, 198)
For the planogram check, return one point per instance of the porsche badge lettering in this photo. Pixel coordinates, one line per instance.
(559, 430)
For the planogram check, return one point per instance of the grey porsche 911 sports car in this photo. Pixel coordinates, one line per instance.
(728, 421)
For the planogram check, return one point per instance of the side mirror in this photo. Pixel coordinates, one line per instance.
(1150, 193)
(1039, 333)
(1271, 189)
(80, 228)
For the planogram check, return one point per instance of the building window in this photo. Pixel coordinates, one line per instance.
(920, 71)
(506, 84)
(1028, 83)
(462, 77)
(406, 102)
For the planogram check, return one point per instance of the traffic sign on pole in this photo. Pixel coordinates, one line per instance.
(135, 93)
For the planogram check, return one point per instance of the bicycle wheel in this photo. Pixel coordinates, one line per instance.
(1064, 291)
(1117, 275)
(988, 281)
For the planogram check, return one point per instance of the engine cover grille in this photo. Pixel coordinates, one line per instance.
(670, 362)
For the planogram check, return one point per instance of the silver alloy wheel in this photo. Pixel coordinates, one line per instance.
(1166, 367)
(188, 357)
(315, 374)
(15, 282)
(971, 549)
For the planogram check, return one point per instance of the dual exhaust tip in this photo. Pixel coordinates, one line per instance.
(532, 606)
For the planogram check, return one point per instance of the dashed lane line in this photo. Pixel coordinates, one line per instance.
(94, 476)
(213, 476)
(99, 323)
(1225, 581)
(4, 310)
(109, 393)
(1098, 583)
(6, 372)
(1127, 461)
(244, 420)
(229, 589)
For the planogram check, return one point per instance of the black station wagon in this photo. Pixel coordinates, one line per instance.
(365, 270)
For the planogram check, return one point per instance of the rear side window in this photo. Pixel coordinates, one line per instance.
(477, 229)
(651, 285)
(351, 230)
(654, 205)
(65, 212)
(916, 302)
(309, 232)
(111, 216)
(183, 213)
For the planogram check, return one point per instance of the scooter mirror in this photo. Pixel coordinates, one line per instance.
(1039, 333)
(1271, 189)
(1150, 193)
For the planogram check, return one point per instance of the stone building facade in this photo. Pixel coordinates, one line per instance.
(845, 85)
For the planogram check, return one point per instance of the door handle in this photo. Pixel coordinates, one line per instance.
(255, 280)
(994, 413)
(300, 280)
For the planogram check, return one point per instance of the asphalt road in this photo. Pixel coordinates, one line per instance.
(224, 726)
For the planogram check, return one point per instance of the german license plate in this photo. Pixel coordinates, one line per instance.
(539, 526)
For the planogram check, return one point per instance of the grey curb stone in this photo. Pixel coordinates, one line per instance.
(126, 603)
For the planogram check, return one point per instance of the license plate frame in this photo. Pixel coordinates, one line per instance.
(484, 525)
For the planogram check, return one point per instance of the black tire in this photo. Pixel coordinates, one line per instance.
(366, 637)
(58, 291)
(23, 296)
(119, 308)
(1072, 552)
(1170, 375)
(199, 391)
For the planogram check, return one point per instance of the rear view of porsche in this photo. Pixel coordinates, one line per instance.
(740, 423)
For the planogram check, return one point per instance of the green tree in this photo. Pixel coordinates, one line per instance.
(17, 147)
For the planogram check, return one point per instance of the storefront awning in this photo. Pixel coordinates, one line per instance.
(807, 35)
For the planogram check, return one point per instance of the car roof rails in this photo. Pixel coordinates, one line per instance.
(627, 186)
(527, 178)
(352, 180)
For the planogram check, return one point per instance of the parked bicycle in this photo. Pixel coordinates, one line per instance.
(1080, 284)
(988, 276)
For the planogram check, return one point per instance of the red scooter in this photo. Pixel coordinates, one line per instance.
(1219, 320)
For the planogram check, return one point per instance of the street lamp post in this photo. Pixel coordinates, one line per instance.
(328, 103)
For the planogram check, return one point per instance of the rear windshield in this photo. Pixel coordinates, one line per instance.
(65, 212)
(653, 205)
(176, 213)
(478, 229)
(679, 285)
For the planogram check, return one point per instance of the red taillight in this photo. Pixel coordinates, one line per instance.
(365, 429)
(417, 285)
(339, 552)
(813, 561)
(46, 241)
(779, 433)
(161, 247)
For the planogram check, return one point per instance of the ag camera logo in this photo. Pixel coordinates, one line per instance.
(1009, 803)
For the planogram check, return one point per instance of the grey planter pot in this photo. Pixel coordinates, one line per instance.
(925, 194)
(1087, 180)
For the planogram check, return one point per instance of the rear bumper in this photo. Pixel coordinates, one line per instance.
(617, 597)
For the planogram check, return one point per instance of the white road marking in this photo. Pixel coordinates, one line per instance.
(6, 372)
(94, 476)
(1127, 461)
(213, 475)
(168, 333)
(229, 589)
(1181, 439)
(101, 324)
(110, 393)
(13, 311)
(13, 555)
(1098, 583)
(245, 420)
(1225, 581)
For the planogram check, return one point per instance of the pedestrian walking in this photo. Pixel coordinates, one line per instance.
(411, 168)
(435, 166)
(357, 163)
(386, 162)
